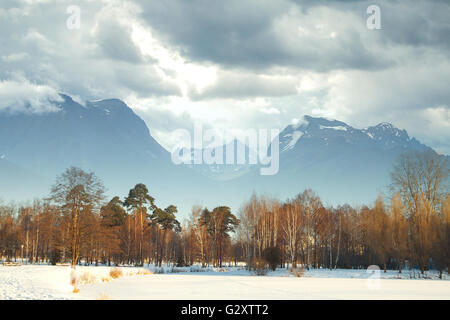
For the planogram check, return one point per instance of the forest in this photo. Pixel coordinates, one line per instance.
(409, 227)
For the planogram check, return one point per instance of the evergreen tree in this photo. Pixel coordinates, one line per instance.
(138, 199)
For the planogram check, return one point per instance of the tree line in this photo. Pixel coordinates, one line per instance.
(75, 224)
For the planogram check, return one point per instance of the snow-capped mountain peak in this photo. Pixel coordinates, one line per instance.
(326, 131)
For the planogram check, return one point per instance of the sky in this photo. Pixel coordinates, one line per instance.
(236, 63)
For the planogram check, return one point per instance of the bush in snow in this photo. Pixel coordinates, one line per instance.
(273, 256)
(115, 273)
(259, 266)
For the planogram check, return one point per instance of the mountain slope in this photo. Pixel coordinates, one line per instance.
(105, 136)
(88, 136)
(340, 162)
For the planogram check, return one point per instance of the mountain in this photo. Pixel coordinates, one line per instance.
(340, 162)
(383, 136)
(103, 136)
(90, 136)
(224, 171)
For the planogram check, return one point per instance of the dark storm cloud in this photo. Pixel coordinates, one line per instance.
(115, 42)
(426, 23)
(415, 23)
(247, 34)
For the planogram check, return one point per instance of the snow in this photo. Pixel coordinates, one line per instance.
(238, 287)
(295, 136)
(340, 128)
(370, 135)
(385, 125)
(35, 282)
(54, 282)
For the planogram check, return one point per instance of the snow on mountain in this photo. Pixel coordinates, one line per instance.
(340, 162)
(384, 135)
(290, 139)
(342, 128)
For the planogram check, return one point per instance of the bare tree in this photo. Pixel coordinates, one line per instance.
(311, 204)
(421, 174)
(78, 192)
(399, 231)
(292, 226)
(199, 231)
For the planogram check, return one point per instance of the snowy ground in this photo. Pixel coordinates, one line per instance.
(55, 282)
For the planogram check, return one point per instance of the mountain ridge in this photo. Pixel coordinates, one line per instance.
(338, 161)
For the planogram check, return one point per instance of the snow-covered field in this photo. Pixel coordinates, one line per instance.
(56, 282)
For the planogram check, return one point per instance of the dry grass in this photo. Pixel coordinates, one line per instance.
(87, 278)
(11, 264)
(74, 281)
(73, 277)
(115, 273)
(298, 272)
(78, 277)
(144, 272)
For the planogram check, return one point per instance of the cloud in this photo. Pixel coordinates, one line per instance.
(98, 60)
(24, 96)
(240, 84)
(418, 24)
(115, 41)
(271, 110)
(263, 34)
(244, 64)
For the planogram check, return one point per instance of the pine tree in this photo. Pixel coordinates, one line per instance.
(138, 199)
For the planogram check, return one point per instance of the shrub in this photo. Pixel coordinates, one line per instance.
(181, 262)
(115, 273)
(259, 266)
(272, 255)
